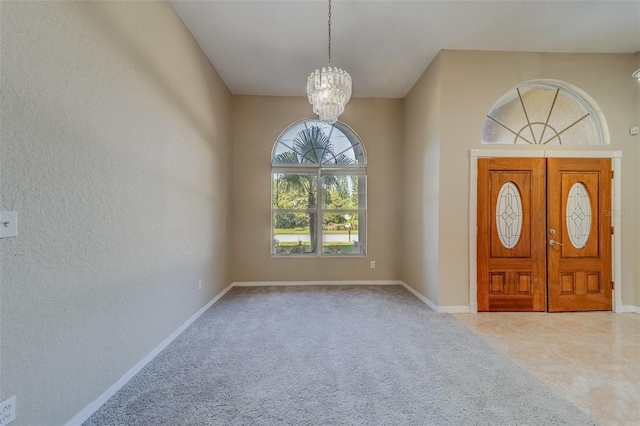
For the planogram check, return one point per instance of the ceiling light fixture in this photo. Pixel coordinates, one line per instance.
(329, 89)
(636, 74)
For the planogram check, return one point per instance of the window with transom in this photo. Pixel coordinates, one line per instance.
(318, 191)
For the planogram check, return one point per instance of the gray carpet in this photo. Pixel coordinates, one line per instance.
(345, 355)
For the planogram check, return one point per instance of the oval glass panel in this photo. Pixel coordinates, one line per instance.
(509, 215)
(578, 215)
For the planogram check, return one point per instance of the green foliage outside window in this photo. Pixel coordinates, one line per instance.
(310, 177)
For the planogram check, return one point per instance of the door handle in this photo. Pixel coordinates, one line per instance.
(555, 243)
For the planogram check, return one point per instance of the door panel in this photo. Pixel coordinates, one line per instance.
(578, 193)
(511, 236)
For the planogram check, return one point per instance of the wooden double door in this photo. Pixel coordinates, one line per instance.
(544, 234)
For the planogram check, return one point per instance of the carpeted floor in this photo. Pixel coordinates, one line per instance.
(332, 355)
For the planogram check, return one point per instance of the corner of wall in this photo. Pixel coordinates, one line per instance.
(636, 122)
(422, 116)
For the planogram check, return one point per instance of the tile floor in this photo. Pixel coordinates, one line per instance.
(592, 358)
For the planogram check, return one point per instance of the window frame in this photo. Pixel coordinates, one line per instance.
(321, 170)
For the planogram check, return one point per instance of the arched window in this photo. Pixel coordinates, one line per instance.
(318, 191)
(542, 113)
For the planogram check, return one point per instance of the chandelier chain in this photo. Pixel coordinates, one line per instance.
(328, 89)
(329, 32)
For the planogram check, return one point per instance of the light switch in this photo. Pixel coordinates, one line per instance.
(8, 224)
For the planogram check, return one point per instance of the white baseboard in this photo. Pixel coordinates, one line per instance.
(438, 309)
(427, 302)
(87, 411)
(454, 309)
(287, 283)
(629, 309)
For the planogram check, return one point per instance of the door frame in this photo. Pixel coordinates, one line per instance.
(616, 192)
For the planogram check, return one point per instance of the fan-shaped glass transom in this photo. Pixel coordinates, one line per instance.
(541, 114)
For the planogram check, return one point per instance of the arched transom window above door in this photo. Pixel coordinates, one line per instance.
(542, 113)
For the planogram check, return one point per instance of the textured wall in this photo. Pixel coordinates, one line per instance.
(421, 168)
(636, 122)
(257, 123)
(116, 154)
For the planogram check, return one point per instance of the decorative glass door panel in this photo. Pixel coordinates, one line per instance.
(544, 241)
(578, 215)
(509, 215)
(511, 237)
(579, 259)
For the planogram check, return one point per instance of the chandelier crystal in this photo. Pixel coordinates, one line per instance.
(329, 89)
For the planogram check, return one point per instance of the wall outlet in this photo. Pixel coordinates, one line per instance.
(634, 130)
(8, 411)
(199, 284)
(373, 264)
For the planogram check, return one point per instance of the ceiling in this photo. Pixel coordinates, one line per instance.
(270, 47)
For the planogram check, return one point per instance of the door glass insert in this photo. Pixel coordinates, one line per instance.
(509, 215)
(578, 215)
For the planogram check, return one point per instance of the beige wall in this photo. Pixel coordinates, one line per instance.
(116, 152)
(471, 83)
(421, 166)
(116, 155)
(257, 123)
(636, 122)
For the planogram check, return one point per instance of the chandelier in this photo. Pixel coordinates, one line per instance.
(329, 89)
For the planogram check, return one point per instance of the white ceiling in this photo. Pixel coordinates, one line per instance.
(270, 47)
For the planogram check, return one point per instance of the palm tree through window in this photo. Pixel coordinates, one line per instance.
(318, 191)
